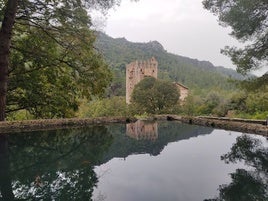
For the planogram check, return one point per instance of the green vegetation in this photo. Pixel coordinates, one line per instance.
(47, 58)
(52, 87)
(248, 20)
(211, 90)
(50, 66)
(115, 106)
(244, 104)
(150, 96)
(200, 76)
(250, 27)
(155, 96)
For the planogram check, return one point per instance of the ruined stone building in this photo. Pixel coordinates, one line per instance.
(183, 90)
(138, 70)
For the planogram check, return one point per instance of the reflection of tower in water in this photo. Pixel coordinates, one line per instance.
(141, 130)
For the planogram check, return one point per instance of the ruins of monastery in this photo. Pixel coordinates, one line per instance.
(138, 70)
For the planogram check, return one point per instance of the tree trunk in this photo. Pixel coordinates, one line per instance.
(5, 41)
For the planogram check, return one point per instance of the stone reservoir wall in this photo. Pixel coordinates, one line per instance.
(241, 125)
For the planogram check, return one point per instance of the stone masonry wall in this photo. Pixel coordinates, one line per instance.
(136, 71)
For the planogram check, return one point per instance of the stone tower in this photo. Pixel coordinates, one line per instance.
(136, 71)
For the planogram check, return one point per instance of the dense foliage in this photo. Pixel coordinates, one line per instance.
(249, 22)
(241, 104)
(155, 96)
(52, 61)
(199, 76)
(54, 68)
(114, 106)
(50, 83)
(211, 92)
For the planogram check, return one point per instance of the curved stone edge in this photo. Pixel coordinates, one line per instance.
(241, 126)
(53, 124)
(250, 127)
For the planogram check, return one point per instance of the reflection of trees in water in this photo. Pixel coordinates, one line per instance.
(61, 185)
(56, 165)
(167, 131)
(5, 179)
(247, 185)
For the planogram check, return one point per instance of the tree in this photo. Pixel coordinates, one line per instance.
(153, 95)
(248, 20)
(43, 40)
(260, 84)
(7, 20)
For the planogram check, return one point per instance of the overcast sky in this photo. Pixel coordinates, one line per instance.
(183, 27)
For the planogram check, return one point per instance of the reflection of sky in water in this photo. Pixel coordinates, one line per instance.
(165, 161)
(185, 170)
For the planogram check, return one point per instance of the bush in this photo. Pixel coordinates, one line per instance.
(155, 96)
(115, 106)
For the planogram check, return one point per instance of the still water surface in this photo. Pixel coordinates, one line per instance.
(145, 161)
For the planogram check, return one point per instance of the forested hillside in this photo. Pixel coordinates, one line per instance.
(214, 90)
(199, 76)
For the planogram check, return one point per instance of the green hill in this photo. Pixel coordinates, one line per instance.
(199, 76)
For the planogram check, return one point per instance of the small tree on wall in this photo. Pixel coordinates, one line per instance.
(155, 96)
